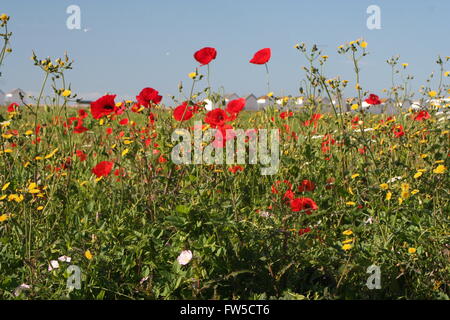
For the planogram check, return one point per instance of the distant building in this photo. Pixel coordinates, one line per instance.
(15, 96)
(263, 102)
(230, 96)
(251, 102)
(2, 97)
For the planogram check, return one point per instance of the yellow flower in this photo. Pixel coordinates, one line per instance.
(15, 197)
(447, 73)
(363, 44)
(88, 255)
(350, 203)
(355, 175)
(348, 241)
(415, 191)
(7, 136)
(40, 208)
(127, 142)
(388, 196)
(358, 87)
(440, 169)
(192, 75)
(66, 93)
(350, 191)
(297, 46)
(417, 175)
(347, 232)
(33, 188)
(355, 106)
(405, 191)
(384, 186)
(124, 152)
(347, 247)
(51, 154)
(412, 250)
(28, 132)
(4, 17)
(404, 65)
(4, 217)
(400, 200)
(6, 186)
(432, 93)
(270, 94)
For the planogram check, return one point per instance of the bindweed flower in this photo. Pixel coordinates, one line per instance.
(184, 257)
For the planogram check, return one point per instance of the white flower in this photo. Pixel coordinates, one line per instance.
(53, 265)
(143, 280)
(184, 257)
(65, 259)
(394, 179)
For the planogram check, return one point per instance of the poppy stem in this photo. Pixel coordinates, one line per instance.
(268, 80)
(209, 84)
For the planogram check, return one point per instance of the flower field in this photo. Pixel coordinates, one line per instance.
(96, 187)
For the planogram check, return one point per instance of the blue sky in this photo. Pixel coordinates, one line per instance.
(134, 44)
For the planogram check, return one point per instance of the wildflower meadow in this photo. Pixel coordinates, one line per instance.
(196, 197)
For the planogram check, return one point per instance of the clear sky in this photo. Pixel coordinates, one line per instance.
(124, 46)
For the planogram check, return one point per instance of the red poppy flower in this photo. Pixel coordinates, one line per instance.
(205, 55)
(355, 122)
(303, 231)
(12, 107)
(161, 159)
(398, 130)
(109, 130)
(286, 114)
(262, 56)
(123, 122)
(151, 118)
(103, 169)
(147, 96)
(306, 185)
(289, 195)
(103, 106)
(373, 99)
(235, 169)
(303, 204)
(236, 106)
(216, 118)
(82, 114)
(81, 155)
(79, 127)
(422, 115)
(183, 112)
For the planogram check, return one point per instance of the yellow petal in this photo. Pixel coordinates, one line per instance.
(88, 255)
